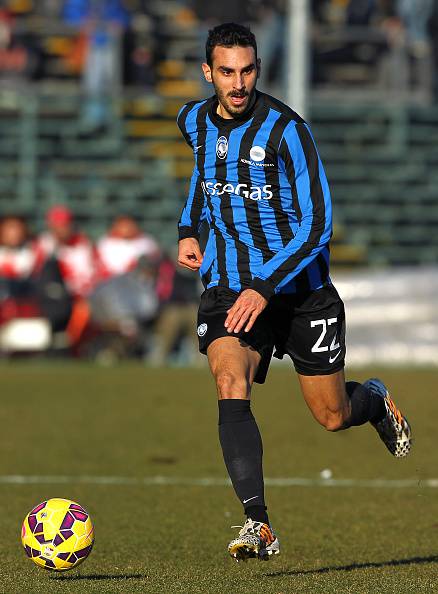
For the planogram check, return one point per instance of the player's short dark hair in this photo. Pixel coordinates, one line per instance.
(229, 35)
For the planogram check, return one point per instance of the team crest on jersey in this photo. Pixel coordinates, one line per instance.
(202, 329)
(257, 153)
(222, 147)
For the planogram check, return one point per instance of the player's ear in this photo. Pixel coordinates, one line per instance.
(259, 67)
(207, 72)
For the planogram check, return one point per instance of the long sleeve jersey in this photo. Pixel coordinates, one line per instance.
(260, 185)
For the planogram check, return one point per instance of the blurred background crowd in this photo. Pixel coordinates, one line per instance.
(118, 297)
(113, 43)
(93, 172)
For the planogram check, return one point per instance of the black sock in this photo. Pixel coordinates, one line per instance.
(257, 513)
(365, 406)
(243, 451)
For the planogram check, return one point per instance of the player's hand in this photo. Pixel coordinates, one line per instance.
(189, 253)
(248, 306)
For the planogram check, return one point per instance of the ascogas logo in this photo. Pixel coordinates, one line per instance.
(245, 190)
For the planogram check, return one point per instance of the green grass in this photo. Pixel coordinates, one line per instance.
(134, 422)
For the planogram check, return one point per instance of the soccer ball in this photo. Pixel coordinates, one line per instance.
(57, 534)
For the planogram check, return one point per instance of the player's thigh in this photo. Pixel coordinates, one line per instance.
(241, 357)
(234, 365)
(326, 397)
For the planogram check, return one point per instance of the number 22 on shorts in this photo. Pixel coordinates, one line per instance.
(317, 348)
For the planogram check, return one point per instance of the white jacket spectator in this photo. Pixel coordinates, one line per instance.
(19, 256)
(119, 251)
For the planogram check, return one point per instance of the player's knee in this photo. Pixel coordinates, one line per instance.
(335, 420)
(231, 385)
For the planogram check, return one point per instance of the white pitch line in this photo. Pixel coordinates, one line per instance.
(150, 481)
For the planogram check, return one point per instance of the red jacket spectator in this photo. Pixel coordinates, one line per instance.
(73, 250)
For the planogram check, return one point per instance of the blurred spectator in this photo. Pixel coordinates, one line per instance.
(29, 286)
(103, 23)
(139, 46)
(270, 28)
(119, 250)
(332, 56)
(18, 57)
(433, 35)
(124, 304)
(19, 257)
(415, 15)
(124, 308)
(175, 329)
(72, 250)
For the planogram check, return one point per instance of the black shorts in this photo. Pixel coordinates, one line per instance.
(310, 328)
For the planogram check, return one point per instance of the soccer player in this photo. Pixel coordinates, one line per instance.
(259, 184)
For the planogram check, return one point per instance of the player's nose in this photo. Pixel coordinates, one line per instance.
(239, 83)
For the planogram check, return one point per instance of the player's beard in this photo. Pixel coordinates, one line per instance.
(225, 100)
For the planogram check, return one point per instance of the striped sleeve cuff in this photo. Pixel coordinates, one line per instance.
(185, 232)
(263, 287)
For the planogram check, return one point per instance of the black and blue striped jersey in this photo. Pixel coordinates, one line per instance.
(260, 185)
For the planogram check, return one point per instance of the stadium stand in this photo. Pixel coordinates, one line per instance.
(380, 156)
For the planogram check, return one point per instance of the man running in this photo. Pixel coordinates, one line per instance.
(259, 184)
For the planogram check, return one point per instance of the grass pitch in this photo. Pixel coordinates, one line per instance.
(126, 423)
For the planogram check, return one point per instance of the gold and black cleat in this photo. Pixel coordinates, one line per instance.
(255, 541)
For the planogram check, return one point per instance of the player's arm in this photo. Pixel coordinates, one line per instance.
(189, 252)
(305, 173)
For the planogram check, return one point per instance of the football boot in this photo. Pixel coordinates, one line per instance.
(255, 540)
(394, 429)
